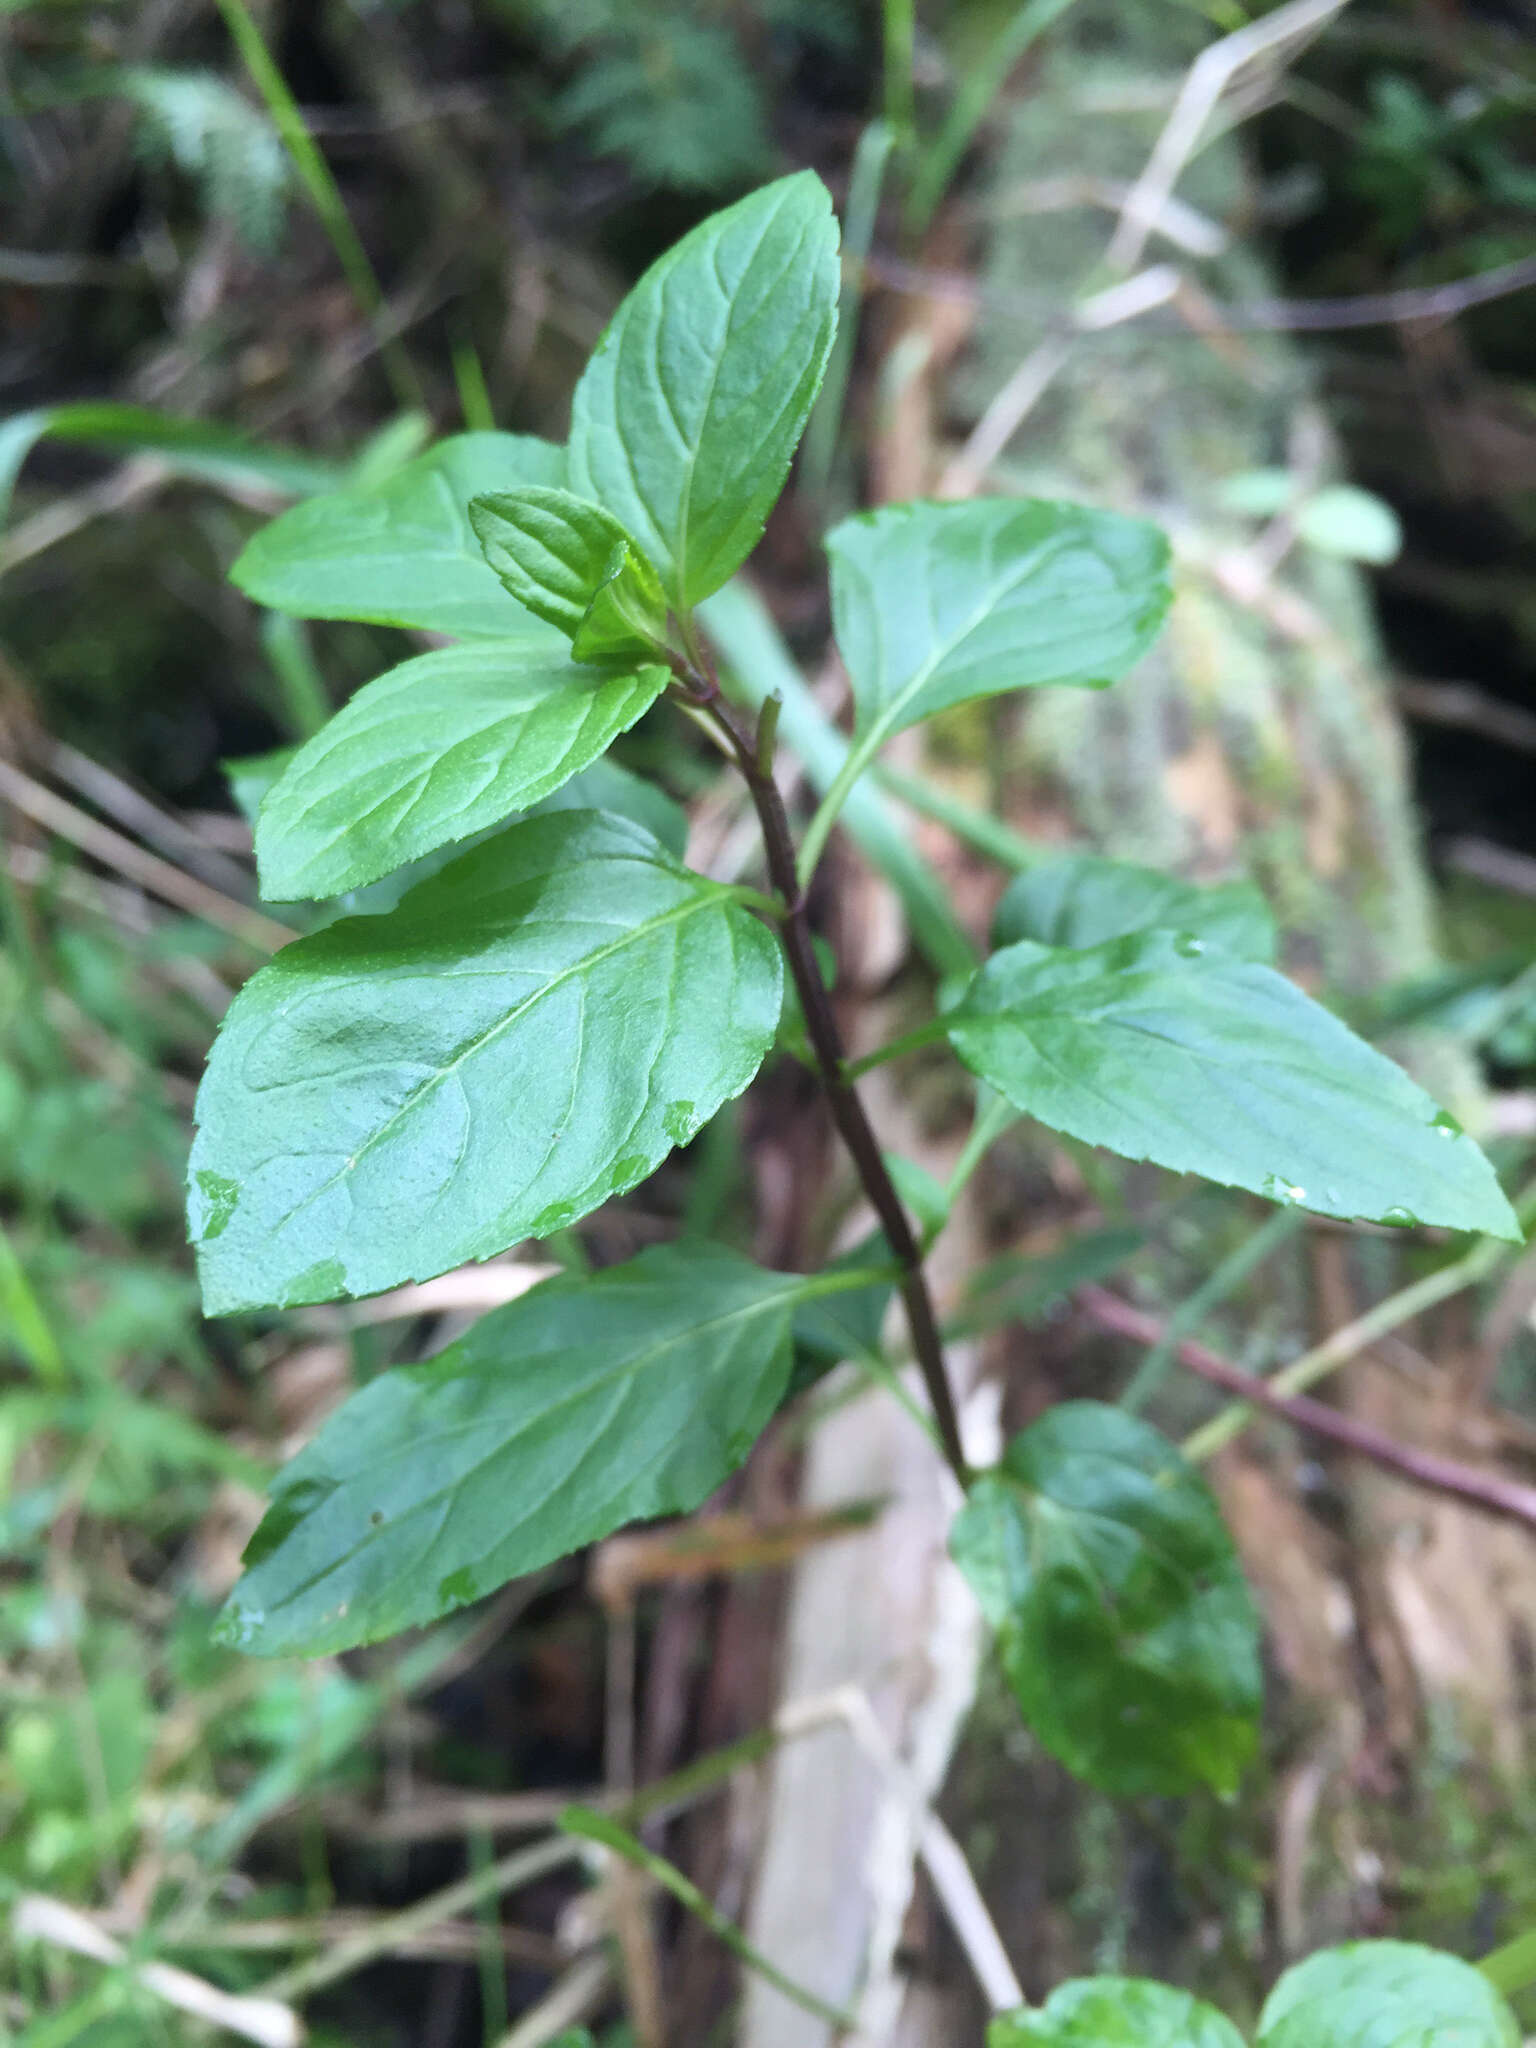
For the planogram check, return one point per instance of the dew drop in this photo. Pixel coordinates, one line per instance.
(1400, 1218)
(1446, 1125)
(1279, 1190)
(1189, 946)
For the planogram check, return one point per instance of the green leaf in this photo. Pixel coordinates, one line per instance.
(602, 787)
(530, 1032)
(605, 786)
(1125, 1627)
(439, 748)
(573, 564)
(686, 417)
(1020, 1287)
(1162, 1047)
(1354, 524)
(938, 603)
(402, 553)
(1385, 1994)
(1116, 2012)
(190, 448)
(589, 1403)
(830, 1328)
(1082, 900)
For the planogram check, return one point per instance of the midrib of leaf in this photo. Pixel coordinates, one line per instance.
(586, 964)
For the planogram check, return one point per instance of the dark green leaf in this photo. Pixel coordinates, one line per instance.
(1125, 1627)
(830, 1328)
(685, 420)
(589, 1403)
(438, 749)
(1082, 900)
(530, 1032)
(1116, 2012)
(1020, 1287)
(403, 553)
(1385, 1994)
(573, 564)
(938, 603)
(1162, 1047)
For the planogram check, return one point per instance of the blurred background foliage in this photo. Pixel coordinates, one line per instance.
(186, 336)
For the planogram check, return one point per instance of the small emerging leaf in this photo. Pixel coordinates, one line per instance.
(1385, 1994)
(574, 565)
(1162, 1047)
(529, 1033)
(437, 750)
(589, 1403)
(1116, 2012)
(686, 417)
(1124, 1624)
(402, 553)
(1082, 900)
(938, 603)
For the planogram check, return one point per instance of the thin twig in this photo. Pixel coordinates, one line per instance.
(171, 884)
(1314, 1365)
(1301, 316)
(1488, 1490)
(339, 1961)
(265, 2020)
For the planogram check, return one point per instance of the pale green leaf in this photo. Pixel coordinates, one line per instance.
(573, 564)
(1357, 525)
(402, 553)
(1162, 1047)
(1385, 1994)
(530, 1032)
(686, 417)
(1082, 900)
(436, 750)
(589, 1403)
(1116, 2012)
(1125, 1627)
(937, 603)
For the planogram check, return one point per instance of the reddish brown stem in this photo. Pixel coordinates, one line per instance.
(826, 1044)
(1488, 1490)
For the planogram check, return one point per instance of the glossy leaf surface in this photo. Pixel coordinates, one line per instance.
(1082, 900)
(403, 553)
(1165, 1048)
(686, 417)
(438, 749)
(934, 604)
(1116, 2012)
(589, 1403)
(571, 563)
(1385, 1994)
(528, 1033)
(1124, 1625)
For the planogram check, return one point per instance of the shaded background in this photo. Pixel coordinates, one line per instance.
(1345, 706)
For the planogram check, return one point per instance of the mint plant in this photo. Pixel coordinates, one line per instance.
(554, 1000)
